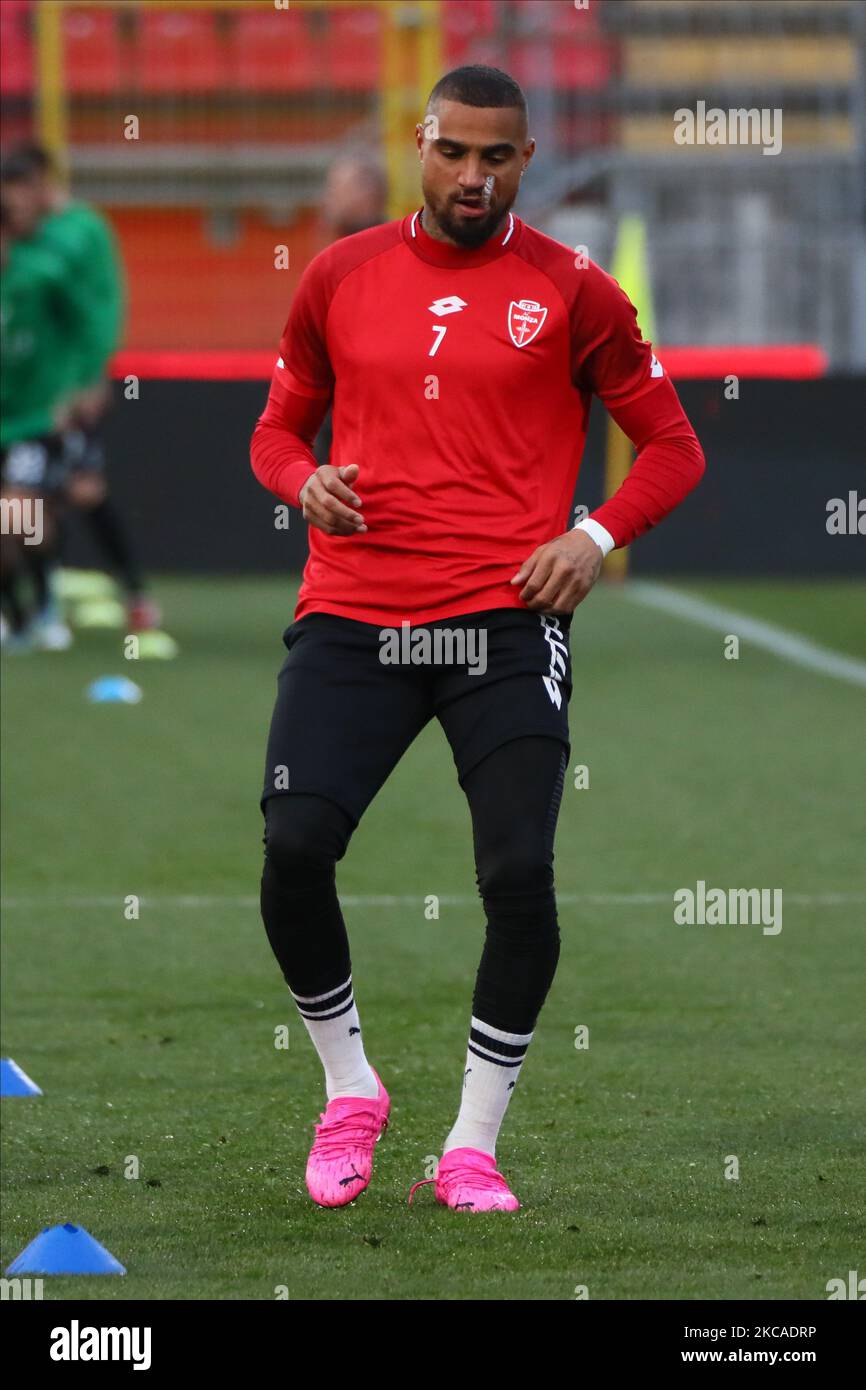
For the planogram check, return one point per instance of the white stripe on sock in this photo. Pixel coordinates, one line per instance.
(500, 1057)
(317, 998)
(498, 1034)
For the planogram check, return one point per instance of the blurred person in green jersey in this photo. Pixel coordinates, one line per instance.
(38, 310)
(41, 211)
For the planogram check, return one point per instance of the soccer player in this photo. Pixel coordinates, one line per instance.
(461, 348)
(42, 211)
(38, 310)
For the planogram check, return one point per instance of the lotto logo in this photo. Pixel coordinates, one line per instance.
(451, 304)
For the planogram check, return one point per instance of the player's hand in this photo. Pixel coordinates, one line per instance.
(559, 575)
(85, 488)
(62, 415)
(327, 500)
(90, 405)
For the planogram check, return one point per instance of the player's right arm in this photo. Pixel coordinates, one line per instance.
(302, 386)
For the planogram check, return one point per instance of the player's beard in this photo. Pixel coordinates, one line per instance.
(471, 234)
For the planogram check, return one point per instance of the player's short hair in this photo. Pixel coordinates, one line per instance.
(478, 85)
(23, 162)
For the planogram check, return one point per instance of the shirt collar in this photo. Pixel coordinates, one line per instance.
(459, 257)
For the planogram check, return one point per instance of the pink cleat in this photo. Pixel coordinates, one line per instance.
(341, 1159)
(467, 1180)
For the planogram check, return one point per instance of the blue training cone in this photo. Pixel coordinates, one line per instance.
(14, 1081)
(109, 690)
(65, 1250)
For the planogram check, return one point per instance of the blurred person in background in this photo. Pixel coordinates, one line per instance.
(356, 195)
(355, 198)
(42, 212)
(38, 310)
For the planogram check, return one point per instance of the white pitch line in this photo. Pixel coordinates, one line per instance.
(205, 900)
(778, 640)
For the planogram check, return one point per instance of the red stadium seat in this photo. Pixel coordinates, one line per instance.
(463, 23)
(273, 52)
(178, 51)
(530, 64)
(556, 17)
(481, 14)
(16, 53)
(352, 51)
(91, 52)
(556, 44)
(565, 19)
(572, 66)
(583, 66)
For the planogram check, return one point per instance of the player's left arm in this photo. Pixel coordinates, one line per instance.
(620, 368)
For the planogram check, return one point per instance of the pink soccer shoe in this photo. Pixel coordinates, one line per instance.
(467, 1180)
(341, 1159)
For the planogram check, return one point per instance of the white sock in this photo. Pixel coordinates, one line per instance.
(333, 1024)
(493, 1062)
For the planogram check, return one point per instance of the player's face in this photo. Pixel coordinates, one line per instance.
(472, 158)
(22, 205)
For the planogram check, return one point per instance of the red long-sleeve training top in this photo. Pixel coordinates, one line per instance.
(461, 383)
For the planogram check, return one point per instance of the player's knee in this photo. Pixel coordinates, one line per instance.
(514, 873)
(304, 837)
(520, 908)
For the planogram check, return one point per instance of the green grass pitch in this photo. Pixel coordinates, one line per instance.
(154, 1039)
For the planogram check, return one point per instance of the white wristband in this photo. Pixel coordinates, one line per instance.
(602, 537)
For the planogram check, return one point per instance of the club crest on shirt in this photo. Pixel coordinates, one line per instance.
(524, 321)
